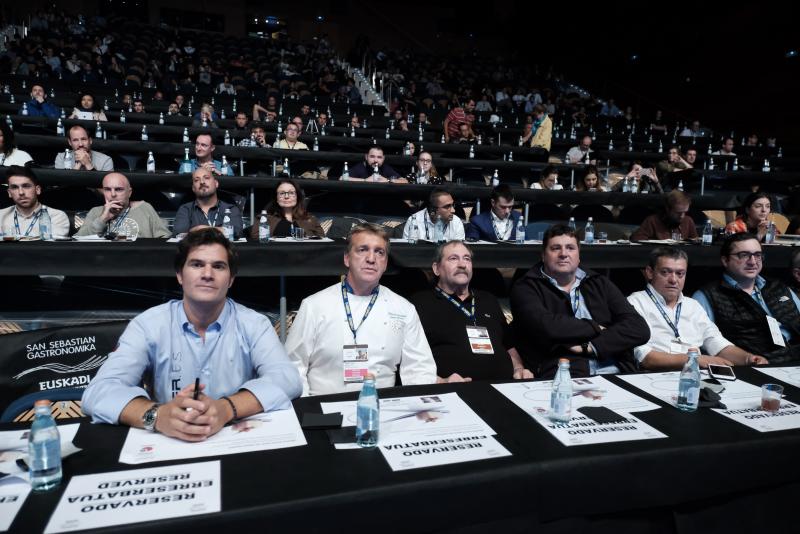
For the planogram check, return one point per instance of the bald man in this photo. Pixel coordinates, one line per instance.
(121, 217)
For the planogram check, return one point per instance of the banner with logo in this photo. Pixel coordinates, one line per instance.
(54, 358)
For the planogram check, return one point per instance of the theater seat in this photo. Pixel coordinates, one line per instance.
(66, 405)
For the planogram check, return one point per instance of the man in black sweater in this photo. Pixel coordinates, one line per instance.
(562, 311)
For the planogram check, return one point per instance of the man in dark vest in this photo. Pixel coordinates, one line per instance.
(760, 316)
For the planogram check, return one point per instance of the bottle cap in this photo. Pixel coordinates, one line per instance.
(563, 360)
(42, 402)
(369, 376)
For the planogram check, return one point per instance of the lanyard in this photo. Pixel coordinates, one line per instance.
(30, 226)
(112, 228)
(673, 326)
(501, 235)
(213, 223)
(349, 314)
(470, 314)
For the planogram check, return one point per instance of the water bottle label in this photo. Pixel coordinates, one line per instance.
(263, 233)
(589, 237)
(707, 239)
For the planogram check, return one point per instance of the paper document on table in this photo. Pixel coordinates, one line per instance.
(12, 496)
(664, 386)
(534, 399)
(786, 418)
(590, 391)
(137, 495)
(408, 419)
(428, 453)
(789, 375)
(100, 238)
(264, 431)
(14, 446)
(306, 240)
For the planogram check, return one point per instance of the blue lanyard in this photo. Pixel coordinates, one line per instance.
(30, 226)
(349, 314)
(673, 326)
(470, 314)
(120, 219)
(576, 301)
(213, 223)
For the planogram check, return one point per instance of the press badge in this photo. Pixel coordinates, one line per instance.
(676, 346)
(775, 331)
(479, 340)
(356, 362)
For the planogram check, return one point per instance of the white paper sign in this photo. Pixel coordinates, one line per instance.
(271, 430)
(583, 431)
(591, 391)
(14, 446)
(664, 386)
(410, 419)
(122, 497)
(11, 498)
(789, 375)
(788, 417)
(428, 453)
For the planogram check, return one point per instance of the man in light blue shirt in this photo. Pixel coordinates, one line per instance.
(241, 365)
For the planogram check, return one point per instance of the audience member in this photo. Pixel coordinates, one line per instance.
(466, 327)
(441, 206)
(425, 172)
(84, 157)
(85, 109)
(204, 155)
(581, 153)
(290, 140)
(24, 218)
(456, 117)
(373, 168)
(207, 210)
(755, 216)
(672, 218)
(500, 222)
(39, 106)
(287, 210)
(590, 181)
(246, 370)
(542, 128)
(9, 153)
(548, 180)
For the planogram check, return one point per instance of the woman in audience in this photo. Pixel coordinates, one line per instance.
(640, 180)
(85, 109)
(548, 180)
(590, 181)
(401, 126)
(426, 172)
(755, 216)
(9, 153)
(287, 210)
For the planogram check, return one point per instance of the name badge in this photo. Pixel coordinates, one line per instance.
(356, 362)
(676, 346)
(479, 340)
(775, 331)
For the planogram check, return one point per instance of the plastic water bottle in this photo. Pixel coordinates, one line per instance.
(227, 138)
(24, 108)
(765, 168)
(286, 169)
(280, 128)
(205, 122)
(263, 228)
(771, 231)
(680, 185)
(45, 226)
(69, 159)
(708, 233)
(571, 224)
(588, 232)
(442, 140)
(345, 172)
(122, 116)
(689, 385)
(735, 164)
(387, 133)
(44, 449)
(438, 230)
(375, 174)
(471, 152)
(186, 164)
(161, 118)
(98, 131)
(520, 237)
(186, 135)
(561, 394)
(151, 162)
(60, 128)
(226, 169)
(316, 144)
(368, 414)
(227, 225)
(495, 179)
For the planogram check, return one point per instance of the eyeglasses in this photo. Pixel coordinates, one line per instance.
(744, 256)
(426, 160)
(287, 194)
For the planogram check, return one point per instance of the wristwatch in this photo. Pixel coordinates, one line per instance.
(149, 418)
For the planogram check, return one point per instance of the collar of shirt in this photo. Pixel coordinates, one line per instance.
(215, 326)
(661, 299)
(33, 214)
(760, 282)
(580, 274)
(350, 289)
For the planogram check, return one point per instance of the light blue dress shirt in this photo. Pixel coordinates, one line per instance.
(217, 164)
(161, 348)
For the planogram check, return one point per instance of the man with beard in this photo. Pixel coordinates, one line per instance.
(672, 218)
(207, 210)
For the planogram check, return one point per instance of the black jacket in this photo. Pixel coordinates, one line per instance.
(545, 325)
